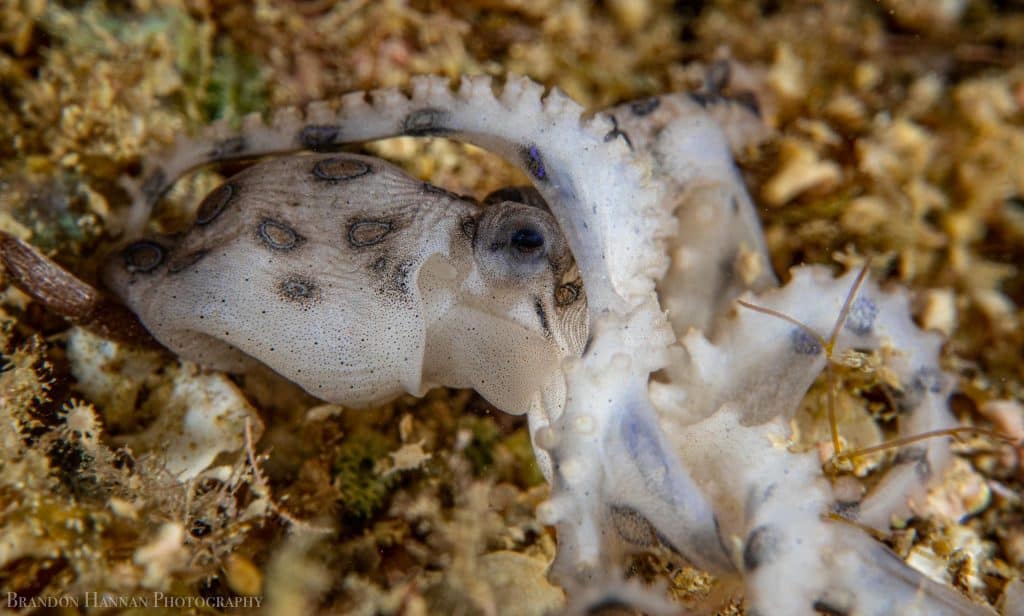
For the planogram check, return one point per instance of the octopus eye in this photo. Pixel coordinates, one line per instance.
(514, 241)
(526, 241)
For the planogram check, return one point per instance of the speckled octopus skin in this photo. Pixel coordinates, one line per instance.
(359, 283)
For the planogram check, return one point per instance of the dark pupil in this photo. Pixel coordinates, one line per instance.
(527, 240)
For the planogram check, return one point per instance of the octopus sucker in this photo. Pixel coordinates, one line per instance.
(552, 303)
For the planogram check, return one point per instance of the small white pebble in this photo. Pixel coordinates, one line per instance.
(1006, 415)
(939, 311)
(123, 508)
(801, 171)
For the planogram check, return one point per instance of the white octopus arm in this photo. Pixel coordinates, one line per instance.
(615, 462)
(726, 408)
(615, 221)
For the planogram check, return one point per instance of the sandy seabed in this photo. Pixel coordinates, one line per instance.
(899, 134)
